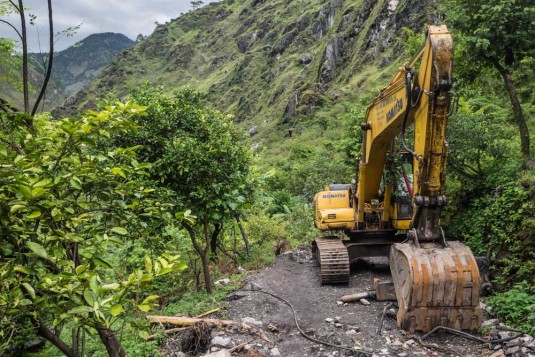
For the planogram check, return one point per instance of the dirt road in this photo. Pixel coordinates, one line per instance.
(294, 277)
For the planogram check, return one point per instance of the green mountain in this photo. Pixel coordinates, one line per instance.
(73, 68)
(77, 66)
(268, 62)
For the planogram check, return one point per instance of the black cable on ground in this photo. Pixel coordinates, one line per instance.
(303, 332)
(472, 337)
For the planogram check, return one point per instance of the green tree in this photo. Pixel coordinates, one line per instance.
(65, 206)
(198, 154)
(498, 34)
(196, 4)
(491, 205)
(8, 64)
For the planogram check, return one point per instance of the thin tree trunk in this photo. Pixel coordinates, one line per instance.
(25, 79)
(218, 227)
(206, 273)
(203, 253)
(243, 234)
(74, 337)
(110, 341)
(83, 342)
(205, 257)
(519, 115)
(517, 110)
(50, 58)
(45, 333)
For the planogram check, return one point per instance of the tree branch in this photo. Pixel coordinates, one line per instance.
(13, 27)
(242, 231)
(458, 167)
(191, 232)
(44, 332)
(6, 106)
(14, 5)
(25, 79)
(50, 58)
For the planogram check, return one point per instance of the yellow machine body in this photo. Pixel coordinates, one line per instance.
(332, 210)
(436, 281)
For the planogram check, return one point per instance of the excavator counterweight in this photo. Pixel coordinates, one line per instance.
(436, 281)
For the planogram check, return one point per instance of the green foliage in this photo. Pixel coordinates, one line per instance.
(413, 42)
(491, 201)
(67, 201)
(195, 151)
(197, 154)
(194, 303)
(281, 201)
(516, 306)
(496, 34)
(494, 30)
(479, 139)
(9, 63)
(500, 223)
(322, 151)
(280, 224)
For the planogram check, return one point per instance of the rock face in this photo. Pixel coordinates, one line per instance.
(267, 62)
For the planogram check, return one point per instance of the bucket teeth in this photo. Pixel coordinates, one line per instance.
(334, 260)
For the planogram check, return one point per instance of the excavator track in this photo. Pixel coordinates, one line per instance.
(334, 260)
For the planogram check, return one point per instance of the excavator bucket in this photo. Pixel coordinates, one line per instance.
(436, 286)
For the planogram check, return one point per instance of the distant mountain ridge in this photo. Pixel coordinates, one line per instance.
(73, 68)
(78, 65)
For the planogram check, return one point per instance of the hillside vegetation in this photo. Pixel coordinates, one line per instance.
(298, 75)
(269, 62)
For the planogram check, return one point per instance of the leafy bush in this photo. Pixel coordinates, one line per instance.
(198, 154)
(502, 226)
(492, 202)
(67, 201)
(516, 306)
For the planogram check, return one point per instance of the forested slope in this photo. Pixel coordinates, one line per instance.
(298, 75)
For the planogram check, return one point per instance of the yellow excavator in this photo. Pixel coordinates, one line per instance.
(393, 206)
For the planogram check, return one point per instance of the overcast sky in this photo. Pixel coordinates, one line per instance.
(129, 17)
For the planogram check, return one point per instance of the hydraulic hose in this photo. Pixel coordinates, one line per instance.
(408, 89)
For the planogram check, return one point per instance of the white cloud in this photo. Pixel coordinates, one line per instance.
(129, 17)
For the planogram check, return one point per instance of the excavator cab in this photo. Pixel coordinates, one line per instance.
(332, 208)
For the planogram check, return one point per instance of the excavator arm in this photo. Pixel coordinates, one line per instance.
(423, 99)
(436, 281)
